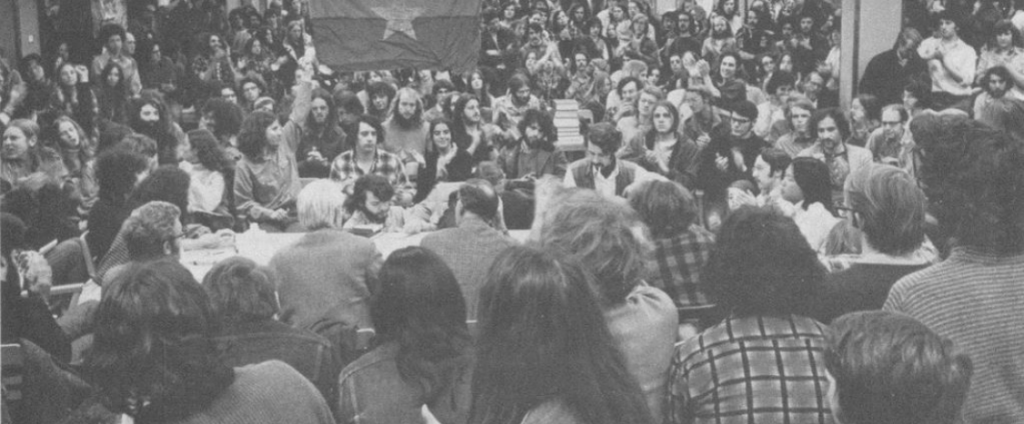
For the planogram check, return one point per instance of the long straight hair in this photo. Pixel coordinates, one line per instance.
(543, 339)
(420, 307)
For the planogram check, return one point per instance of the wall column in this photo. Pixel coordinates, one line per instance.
(869, 28)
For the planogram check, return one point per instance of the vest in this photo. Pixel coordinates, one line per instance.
(583, 174)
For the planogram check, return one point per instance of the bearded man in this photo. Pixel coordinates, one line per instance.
(535, 155)
(406, 131)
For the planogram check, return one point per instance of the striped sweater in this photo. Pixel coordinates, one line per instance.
(977, 300)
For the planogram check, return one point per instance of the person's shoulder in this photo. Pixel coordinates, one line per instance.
(579, 163)
(369, 363)
(552, 412)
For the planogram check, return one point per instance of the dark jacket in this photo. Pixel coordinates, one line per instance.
(885, 77)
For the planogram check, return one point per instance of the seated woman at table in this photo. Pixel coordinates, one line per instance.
(349, 262)
(267, 177)
(370, 206)
(425, 354)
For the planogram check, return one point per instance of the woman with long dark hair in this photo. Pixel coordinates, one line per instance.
(153, 358)
(74, 98)
(424, 356)
(445, 161)
(112, 94)
(544, 352)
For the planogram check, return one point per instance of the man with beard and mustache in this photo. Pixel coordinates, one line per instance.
(535, 155)
(148, 116)
(600, 170)
(321, 137)
(406, 131)
(510, 108)
(370, 206)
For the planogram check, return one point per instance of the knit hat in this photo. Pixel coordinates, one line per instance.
(263, 101)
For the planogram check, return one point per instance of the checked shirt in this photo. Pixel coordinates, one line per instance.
(676, 265)
(756, 369)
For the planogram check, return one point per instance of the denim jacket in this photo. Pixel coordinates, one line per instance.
(257, 341)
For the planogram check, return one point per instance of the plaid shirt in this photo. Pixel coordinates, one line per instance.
(386, 165)
(676, 264)
(747, 370)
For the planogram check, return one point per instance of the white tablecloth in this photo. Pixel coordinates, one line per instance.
(261, 247)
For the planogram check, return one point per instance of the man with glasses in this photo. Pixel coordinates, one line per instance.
(730, 157)
(892, 143)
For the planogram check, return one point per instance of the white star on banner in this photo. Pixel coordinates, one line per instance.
(399, 17)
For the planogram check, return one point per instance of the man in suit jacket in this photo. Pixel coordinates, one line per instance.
(470, 248)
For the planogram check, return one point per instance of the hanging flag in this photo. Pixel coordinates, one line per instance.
(366, 35)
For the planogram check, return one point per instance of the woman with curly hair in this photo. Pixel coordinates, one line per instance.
(112, 94)
(154, 359)
(424, 354)
(267, 177)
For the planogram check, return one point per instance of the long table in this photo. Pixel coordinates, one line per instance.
(261, 247)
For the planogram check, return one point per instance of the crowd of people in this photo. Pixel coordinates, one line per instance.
(731, 244)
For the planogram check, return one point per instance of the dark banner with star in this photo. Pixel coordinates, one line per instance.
(367, 35)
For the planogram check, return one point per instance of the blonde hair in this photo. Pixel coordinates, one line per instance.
(321, 205)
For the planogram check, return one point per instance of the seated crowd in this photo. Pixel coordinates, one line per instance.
(728, 244)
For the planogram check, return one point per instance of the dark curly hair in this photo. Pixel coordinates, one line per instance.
(209, 153)
(370, 183)
(115, 173)
(973, 176)
(546, 125)
(252, 140)
(762, 265)
(153, 357)
(227, 117)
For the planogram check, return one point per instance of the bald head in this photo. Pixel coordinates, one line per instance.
(479, 198)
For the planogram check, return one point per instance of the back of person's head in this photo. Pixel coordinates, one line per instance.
(479, 197)
(490, 171)
(605, 136)
(421, 308)
(116, 173)
(666, 207)
(241, 291)
(543, 338)
(762, 265)
(208, 150)
(604, 235)
(815, 181)
(111, 133)
(227, 117)
(152, 231)
(167, 183)
(152, 357)
(634, 68)
(890, 208)
(1005, 114)
(973, 176)
(321, 204)
(777, 159)
(889, 368)
(141, 144)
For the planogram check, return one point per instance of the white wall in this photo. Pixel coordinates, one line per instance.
(869, 28)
